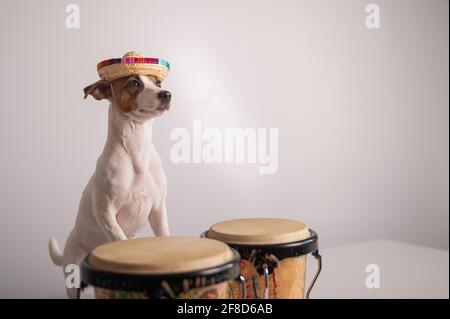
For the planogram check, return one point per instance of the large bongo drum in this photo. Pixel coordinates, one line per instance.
(161, 267)
(273, 256)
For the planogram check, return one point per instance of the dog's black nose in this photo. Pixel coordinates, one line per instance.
(164, 96)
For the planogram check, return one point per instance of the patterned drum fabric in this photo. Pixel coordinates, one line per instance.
(286, 281)
(217, 291)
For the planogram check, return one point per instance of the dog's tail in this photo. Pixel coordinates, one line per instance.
(55, 252)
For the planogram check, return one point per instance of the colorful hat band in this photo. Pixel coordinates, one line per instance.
(132, 60)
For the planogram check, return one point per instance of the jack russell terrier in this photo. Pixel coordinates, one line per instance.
(128, 189)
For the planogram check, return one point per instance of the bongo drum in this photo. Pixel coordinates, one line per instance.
(161, 267)
(273, 256)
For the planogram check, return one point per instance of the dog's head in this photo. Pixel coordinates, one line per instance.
(139, 96)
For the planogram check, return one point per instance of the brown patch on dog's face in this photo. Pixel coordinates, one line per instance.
(126, 90)
(138, 96)
(125, 93)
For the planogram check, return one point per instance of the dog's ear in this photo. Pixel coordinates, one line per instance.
(99, 90)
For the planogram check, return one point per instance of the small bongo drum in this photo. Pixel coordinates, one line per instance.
(161, 267)
(273, 256)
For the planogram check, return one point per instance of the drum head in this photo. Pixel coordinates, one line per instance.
(160, 255)
(259, 231)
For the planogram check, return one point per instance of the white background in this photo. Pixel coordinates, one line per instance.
(362, 117)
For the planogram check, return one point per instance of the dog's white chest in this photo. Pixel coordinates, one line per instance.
(142, 195)
(130, 172)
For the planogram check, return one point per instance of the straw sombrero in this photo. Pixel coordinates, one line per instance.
(132, 63)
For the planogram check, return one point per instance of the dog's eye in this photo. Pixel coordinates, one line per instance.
(134, 84)
(158, 83)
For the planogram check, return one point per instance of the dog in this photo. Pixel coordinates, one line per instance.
(129, 187)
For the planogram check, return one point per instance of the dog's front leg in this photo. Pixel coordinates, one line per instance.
(158, 219)
(106, 215)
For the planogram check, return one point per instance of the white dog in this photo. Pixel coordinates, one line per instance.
(128, 188)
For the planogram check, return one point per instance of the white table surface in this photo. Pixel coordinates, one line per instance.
(406, 271)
